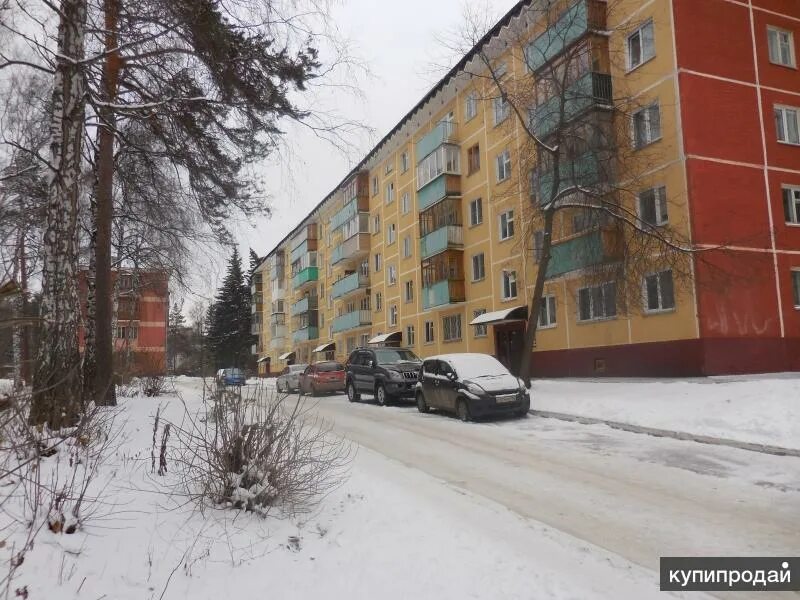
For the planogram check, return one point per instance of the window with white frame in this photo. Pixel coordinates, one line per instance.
(796, 287)
(501, 110)
(404, 162)
(410, 338)
(787, 124)
(791, 204)
(597, 302)
(365, 303)
(392, 274)
(451, 328)
(476, 212)
(641, 45)
(478, 267)
(378, 262)
(407, 246)
(547, 311)
(351, 344)
(429, 332)
(445, 159)
(659, 293)
(482, 329)
(471, 106)
(781, 46)
(375, 185)
(390, 192)
(364, 340)
(378, 302)
(503, 165)
(408, 291)
(405, 203)
(506, 225)
(376, 224)
(653, 206)
(393, 315)
(646, 125)
(508, 284)
(391, 233)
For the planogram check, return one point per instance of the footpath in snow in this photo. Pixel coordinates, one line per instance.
(763, 409)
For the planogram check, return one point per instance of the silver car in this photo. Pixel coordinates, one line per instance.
(289, 379)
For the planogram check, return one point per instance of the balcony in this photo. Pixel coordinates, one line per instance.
(444, 132)
(575, 22)
(255, 286)
(597, 247)
(351, 320)
(585, 171)
(443, 293)
(307, 275)
(444, 238)
(255, 328)
(305, 334)
(443, 186)
(278, 292)
(306, 304)
(352, 249)
(589, 91)
(278, 342)
(347, 285)
(277, 319)
(303, 248)
(349, 211)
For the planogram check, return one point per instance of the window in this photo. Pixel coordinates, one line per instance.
(378, 302)
(581, 220)
(476, 212)
(471, 106)
(404, 162)
(351, 344)
(364, 340)
(482, 329)
(599, 302)
(787, 124)
(547, 312)
(451, 328)
(500, 110)
(392, 274)
(658, 291)
(390, 192)
(445, 159)
(410, 340)
(500, 70)
(478, 269)
(473, 159)
(781, 46)
(378, 262)
(796, 288)
(538, 245)
(389, 167)
(405, 203)
(128, 332)
(364, 304)
(506, 225)
(409, 290)
(508, 284)
(791, 204)
(391, 233)
(429, 335)
(375, 185)
(646, 125)
(407, 246)
(653, 206)
(376, 224)
(641, 45)
(503, 165)
(393, 315)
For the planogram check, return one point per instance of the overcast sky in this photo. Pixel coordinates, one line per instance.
(398, 43)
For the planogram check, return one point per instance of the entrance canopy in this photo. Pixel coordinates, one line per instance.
(286, 356)
(329, 347)
(517, 313)
(263, 359)
(387, 338)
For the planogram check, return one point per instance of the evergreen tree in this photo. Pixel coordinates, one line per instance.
(229, 333)
(254, 260)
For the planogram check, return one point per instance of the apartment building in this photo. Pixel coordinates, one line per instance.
(426, 242)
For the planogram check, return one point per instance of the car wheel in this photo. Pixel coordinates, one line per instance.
(422, 406)
(522, 413)
(462, 410)
(314, 391)
(352, 394)
(380, 395)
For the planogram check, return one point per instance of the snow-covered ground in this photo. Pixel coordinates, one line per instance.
(762, 409)
(389, 531)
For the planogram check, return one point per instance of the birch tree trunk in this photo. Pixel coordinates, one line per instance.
(57, 380)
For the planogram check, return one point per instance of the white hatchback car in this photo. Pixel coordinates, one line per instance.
(289, 379)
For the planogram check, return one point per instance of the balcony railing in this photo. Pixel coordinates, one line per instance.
(309, 274)
(348, 285)
(352, 248)
(443, 186)
(442, 293)
(597, 247)
(304, 305)
(351, 320)
(575, 22)
(277, 319)
(590, 90)
(440, 240)
(255, 328)
(278, 292)
(444, 132)
(583, 172)
(305, 334)
(278, 342)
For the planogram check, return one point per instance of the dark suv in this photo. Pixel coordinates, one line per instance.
(387, 373)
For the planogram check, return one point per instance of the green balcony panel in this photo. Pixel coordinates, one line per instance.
(337, 254)
(349, 284)
(443, 132)
(441, 293)
(594, 248)
(592, 89)
(347, 212)
(443, 186)
(351, 320)
(304, 276)
(304, 305)
(571, 25)
(298, 252)
(585, 171)
(440, 240)
(305, 334)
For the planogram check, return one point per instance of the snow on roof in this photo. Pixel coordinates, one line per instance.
(325, 347)
(514, 313)
(473, 363)
(379, 339)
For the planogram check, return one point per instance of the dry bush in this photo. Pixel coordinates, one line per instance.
(256, 451)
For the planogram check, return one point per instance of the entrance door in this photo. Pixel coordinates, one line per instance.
(509, 341)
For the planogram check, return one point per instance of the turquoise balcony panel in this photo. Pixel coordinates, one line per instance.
(592, 89)
(585, 171)
(337, 254)
(440, 240)
(443, 132)
(349, 284)
(298, 252)
(571, 25)
(594, 248)
(306, 334)
(443, 186)
(351, 320)
(304, 305)
(347, 212)
(442, 293)
(304, 276)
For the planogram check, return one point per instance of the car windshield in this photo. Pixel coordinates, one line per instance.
(473, 366)
(392, 355)
(329, 366)
(234, 372)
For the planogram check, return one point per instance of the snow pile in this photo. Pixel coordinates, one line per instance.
(762, 409)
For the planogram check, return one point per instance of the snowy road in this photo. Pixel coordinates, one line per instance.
(636, 496)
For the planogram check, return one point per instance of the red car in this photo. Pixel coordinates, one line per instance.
(327, 376)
